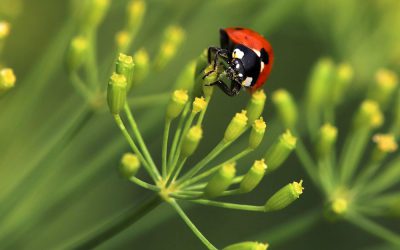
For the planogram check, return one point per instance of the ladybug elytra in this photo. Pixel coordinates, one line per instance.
(249, 57)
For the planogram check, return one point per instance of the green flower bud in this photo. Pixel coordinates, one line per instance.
(177, 103)
(173, 38)
(286, 106)
(211, 78)
(191, 141)
(124, 66)
(257, 133)
(285, 196)
(247, 245)
(130, 165)
(116, 93)
(199, 104)
(339, 206)
(326, 140)
(255, 106)
(320, 82)
(384, 87)
(142, 66)
(123, 39)
(369, 115)
(280, 150)
(136, 11)
(220, 181)
(7, 79)
(253, 177)
(97, 10)
(4, 30)
(344, 76)
(77, 53)
(236, 126)
(201, 63)
(186, 78)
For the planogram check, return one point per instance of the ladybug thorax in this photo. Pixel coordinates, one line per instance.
(245, 65)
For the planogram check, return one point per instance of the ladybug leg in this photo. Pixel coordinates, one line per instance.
(233, 90)
(218, 53)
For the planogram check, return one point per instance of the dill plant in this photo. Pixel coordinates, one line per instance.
(359, 175)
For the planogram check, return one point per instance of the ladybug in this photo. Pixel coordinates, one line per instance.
(249, 58)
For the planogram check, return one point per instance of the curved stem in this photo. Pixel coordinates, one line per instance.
(190, 224)
(165, 147)
(133, 146)
(139, 137)
(144, 184)
(231, 205)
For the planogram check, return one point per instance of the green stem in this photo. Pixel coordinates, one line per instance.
(306, 161)
(80, 86)
(214, 153)
(177, 152)
(178, 170)
(140, 140)
(352, 153)
(203, 112)
(177, 136)
(117, 225)
(231, 205)
(165, 147)
(190, 224)
(143, 184)
(295, 227)
(373, 228)
(215, 169)
(134, 148)
(149, 100)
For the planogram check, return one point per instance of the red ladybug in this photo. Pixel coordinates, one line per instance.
(249, 58)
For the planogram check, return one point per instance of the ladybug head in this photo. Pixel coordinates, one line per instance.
(236, 71)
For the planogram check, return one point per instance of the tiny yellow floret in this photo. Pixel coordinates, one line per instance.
(385, 142)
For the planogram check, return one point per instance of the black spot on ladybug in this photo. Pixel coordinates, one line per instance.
(238, 28)
(264, 56)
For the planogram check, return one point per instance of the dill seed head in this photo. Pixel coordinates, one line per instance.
(253, 177)
(199, 104)
(130, 164)
(4, 29)
(221, 180)
(236, 126)
(77, 53)
(257, 133)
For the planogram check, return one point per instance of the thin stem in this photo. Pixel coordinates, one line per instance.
(215, 169)
(178, 170)
(203, 112)
(352, 153)
(177, 136)
(149, 100)
(306, 160)
(165, 147)
(80, 86)
(295, 227)
(116, 225)
(373, 228)
(231, 205)
(144, 184)
(215, 152)
(180, 141)
(140, 140)
(133, 146)
(190, 224)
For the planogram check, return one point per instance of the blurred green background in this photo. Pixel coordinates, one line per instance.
(80, 178)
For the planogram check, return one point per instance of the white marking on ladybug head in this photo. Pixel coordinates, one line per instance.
(240, 75)
(237, 53)
(247, 81)
(257, 52)
(262, 66)
(237, 66)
